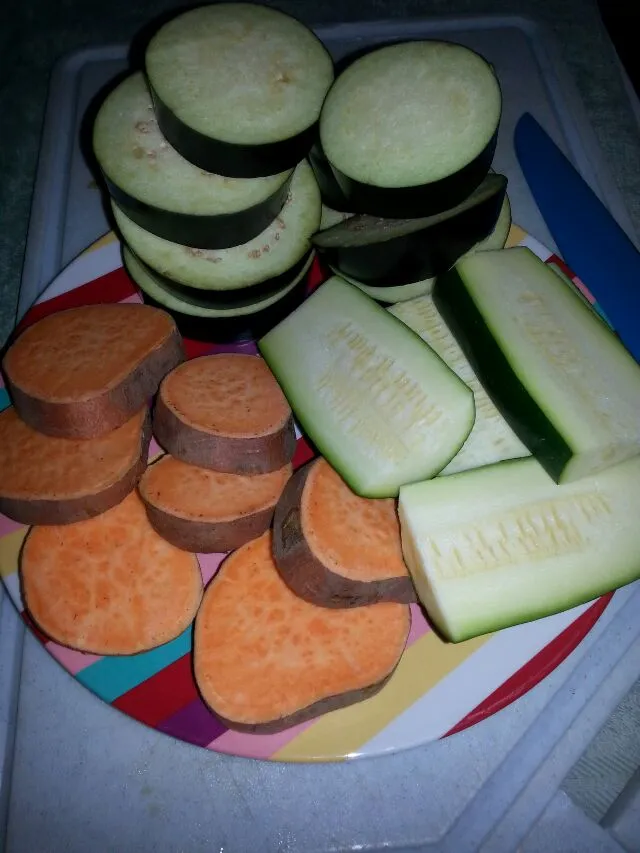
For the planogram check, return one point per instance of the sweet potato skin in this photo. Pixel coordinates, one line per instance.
(107, 411)
(310, 579)
(204, 537)
(259, 455)
(61, 511)
(317, 709)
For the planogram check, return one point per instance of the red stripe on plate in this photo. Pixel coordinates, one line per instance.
(112, 287)
(162, 695)
(541, 665)
(303, 454)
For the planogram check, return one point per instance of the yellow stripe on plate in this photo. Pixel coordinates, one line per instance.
(106, 240)
(10, 546)
(516, 236)
(344, 732)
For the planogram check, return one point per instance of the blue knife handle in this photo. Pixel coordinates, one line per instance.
(589, 239)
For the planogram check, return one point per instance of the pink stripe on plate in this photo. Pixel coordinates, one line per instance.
(70, 659)
(7, 526)
(256, 746)
(134, 298)
(583, 289)
(209, 565)
(419, 625)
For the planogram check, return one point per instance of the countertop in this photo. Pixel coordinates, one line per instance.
(37, 33)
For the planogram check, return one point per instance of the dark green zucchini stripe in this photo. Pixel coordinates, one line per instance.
(230, 159)
(415, 255)
(424, 200)
(501, 383)
(220, 231)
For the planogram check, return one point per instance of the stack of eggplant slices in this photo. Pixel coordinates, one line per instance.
(238, 152)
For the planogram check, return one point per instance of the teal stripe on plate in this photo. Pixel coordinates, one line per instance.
(5, 402)
(110, 677)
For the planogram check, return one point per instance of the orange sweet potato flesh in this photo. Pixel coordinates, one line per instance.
(209, 511)
(264, 659)
(334, 548)
(83, 372)
(225, 412)
(110, 585)
(46, 480)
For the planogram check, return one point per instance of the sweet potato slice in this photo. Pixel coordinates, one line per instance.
(334, 548)
(265, 660)
(225, 412)
(46, 480)
(208, 511)
(83, 372)
(110, 585)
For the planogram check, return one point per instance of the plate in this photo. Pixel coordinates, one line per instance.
(437, 689)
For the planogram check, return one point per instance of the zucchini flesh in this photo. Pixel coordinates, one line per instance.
(274, 251)
(491, 439)
(504, 544)
(561, 378)
(378, 403)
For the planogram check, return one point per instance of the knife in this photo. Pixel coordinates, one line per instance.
(589, 239)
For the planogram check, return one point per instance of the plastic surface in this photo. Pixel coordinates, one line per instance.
(150, 793)
(607, 261)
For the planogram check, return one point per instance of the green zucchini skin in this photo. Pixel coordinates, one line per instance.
(419, 255)
(220, 231)
(227, 158)
(492, 368)
(423, 200)
(517, 546)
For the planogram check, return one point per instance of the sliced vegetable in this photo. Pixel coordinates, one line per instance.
(49, 480)
(561, 378)
(166, 194)
(265, 660)
(238, 87)
(391, 295)
(197, 320)
(391, 252)
(225, 412)
(410, 128)
(207, 511)
(268, 256)
(404, 292)
(110, 585)
(378, 403)
(330, 217)
(83, 372)
(504, 544)
(330, 190)
(491, 439)
(336, 549)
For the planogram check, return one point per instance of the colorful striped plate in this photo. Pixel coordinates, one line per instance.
(438, 689)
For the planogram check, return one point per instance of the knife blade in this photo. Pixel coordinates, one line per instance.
(589, 239)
